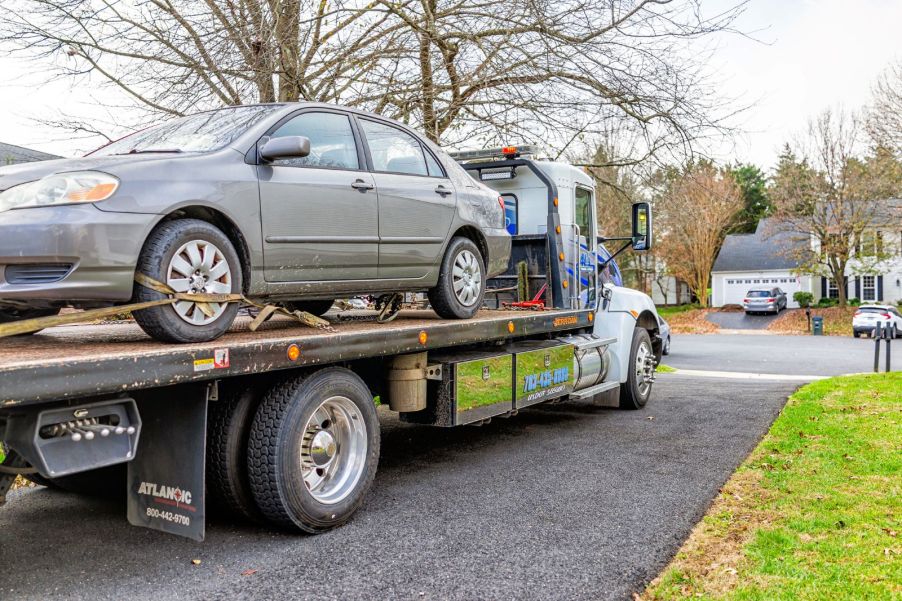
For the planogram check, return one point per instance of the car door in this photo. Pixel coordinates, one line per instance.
(320, 215)
(416, 200)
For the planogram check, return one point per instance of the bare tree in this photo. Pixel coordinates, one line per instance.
(884, 115)
(824, 193)
(477, 70)
(698, 206)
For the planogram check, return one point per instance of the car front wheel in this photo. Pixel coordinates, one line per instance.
(190, 256)
(461, 281)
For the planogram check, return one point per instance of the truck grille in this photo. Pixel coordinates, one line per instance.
(38, 273)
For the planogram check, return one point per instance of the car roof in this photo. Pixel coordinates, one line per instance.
(762, 288)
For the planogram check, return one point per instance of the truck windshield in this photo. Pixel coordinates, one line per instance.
(202, 132)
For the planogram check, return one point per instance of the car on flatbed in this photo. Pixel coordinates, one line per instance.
(297, 203)
(279, 425)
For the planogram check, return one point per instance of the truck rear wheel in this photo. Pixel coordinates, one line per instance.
(313, 450)
(228, 428)
(635, 391)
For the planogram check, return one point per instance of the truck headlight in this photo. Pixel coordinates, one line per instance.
(60, 189)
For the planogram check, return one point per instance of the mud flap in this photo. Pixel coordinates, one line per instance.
(166, 478)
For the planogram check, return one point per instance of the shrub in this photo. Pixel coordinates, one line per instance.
(803, 298)
(854, 302)
(827, 302)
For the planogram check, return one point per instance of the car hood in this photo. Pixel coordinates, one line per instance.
(13, 175)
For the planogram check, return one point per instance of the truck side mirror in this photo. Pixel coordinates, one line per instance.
(641, 236)
(285, 147)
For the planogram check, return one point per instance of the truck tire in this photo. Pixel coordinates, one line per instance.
(313, 450)
(316, 307)
(11, 315)
(228, 427)
(461, 281)
(635, 391)
(188, 254)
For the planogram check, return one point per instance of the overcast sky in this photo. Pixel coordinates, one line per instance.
(812, 54)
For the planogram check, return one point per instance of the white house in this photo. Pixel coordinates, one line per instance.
(766, 259)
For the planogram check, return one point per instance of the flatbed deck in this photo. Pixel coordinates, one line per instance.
(72, 362)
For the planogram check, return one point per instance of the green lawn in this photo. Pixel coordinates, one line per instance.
(669, 310)
(815, 512)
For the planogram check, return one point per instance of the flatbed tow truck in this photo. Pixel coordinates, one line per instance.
(279, 425)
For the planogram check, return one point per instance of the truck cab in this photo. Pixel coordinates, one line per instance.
(552, 215)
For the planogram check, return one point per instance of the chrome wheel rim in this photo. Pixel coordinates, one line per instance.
(466, 277)
(199, 267)
(645, 368)
(333, 451)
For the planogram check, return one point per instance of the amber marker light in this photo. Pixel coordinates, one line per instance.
(565, 284)
(294, 352)
(510, 327)
(558, 229)
(423, 337)
(95, 193)
(634, 313)
(591, 317)
(561, 256)
(555, 202)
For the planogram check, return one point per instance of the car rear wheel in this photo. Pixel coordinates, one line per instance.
(191, 256)
(461, 281)
(316, 307)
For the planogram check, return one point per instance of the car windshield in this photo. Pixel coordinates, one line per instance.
(758, 294)
(196, 133)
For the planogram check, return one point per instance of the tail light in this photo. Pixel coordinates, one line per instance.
(770, 300)
(501, 202)
(857, 313)
(745, 300)
(885, 315)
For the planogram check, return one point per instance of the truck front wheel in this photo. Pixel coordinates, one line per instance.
(313, 450)
(635, 391)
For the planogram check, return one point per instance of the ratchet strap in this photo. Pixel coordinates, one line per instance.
(203, 301)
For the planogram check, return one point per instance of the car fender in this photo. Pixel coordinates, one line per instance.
(623, 310)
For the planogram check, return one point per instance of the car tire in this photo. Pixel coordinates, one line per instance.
(175, 247)
(300, 482)
(316, 307)
(856, 334)
(13, 315)
(634, 393)
(666, 349)
(461, 281)
(228, 428)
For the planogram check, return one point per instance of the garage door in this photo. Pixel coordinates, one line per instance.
(735, 287)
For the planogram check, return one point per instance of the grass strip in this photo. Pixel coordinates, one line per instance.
(815, 512)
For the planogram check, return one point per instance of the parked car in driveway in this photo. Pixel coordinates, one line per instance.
(293, 202)
(867, 317)
(664, 331)
(764, 300)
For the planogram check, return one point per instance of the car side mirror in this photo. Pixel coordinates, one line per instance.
(642, 236)
(285, 147)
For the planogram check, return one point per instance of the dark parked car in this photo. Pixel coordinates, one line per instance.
(296, 202)
(764, 300)
(664, 329)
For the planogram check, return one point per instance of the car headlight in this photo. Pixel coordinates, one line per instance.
(60, 189)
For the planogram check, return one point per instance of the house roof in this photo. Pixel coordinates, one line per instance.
(764, 250)
(10, 153)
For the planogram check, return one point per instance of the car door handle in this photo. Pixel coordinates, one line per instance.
(443, 191)
(362, 185)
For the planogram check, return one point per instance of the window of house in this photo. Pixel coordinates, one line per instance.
(871, 244)
(832, 290)
(868, 288)
(331, 141)
(393, 150)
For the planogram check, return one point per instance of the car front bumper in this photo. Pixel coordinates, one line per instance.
(101, 249)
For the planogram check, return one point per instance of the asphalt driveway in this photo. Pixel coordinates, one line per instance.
(565, 501)
(775, 354)
(738, 320)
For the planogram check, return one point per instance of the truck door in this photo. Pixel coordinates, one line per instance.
(583, 269)
(416, 201)
(319, 213)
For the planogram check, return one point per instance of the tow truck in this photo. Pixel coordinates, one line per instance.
(280, 425)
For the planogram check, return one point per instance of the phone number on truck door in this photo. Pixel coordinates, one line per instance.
(175, 518)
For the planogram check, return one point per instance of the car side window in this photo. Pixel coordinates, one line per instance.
(393, 150)
(331, 141)
(432, 166)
